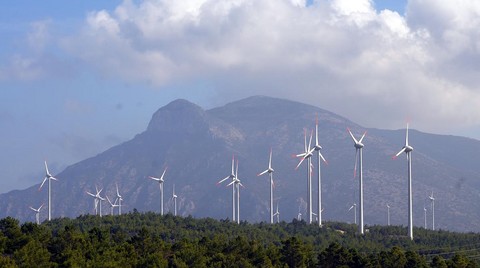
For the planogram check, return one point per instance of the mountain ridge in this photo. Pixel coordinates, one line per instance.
(197, 146)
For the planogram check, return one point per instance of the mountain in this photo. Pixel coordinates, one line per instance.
(197, 146)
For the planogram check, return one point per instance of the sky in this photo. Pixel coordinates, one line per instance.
(79, 77)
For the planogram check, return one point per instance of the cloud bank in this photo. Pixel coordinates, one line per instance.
(374, 66)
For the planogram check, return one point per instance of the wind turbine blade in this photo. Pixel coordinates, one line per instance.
(91, 194)
(323, 158)
(399, 153)
(228, 177)
(351, 135)
(43, 182)
(163, 174)
(299, 163)
(309, 142)
(363, 136)
(153, 178)
(351, 207)
(270, 160)
(230, 183)
(236, 171)
(53, 178)
(305, 140)
(46, 168)
(406, 137)
(108, 199)
(118, 194)
(263, 172)
(233, 164)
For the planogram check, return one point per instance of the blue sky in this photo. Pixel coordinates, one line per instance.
(77, 78)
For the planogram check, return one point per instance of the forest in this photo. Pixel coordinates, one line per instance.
(151, 240)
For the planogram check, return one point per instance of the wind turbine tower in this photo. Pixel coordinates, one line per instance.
(432, 200)
(358, 159)
(48, 177)
(424, 217)
(160, 184)
(269, 170)
(388, 215)
(408, 150)
(317, 148)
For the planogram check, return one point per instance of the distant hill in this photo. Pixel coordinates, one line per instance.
(197, 146)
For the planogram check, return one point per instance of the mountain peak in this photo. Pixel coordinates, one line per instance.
(179, 114)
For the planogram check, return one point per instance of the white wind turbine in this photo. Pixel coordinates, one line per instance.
(269, 170)
(236, 183)
(160, 184)
(358, 160)
(120, 199)
(354, 207)
(98, 200)
(174, 197)
(432, 200)
(231, 176)
(277, 213)
(48, 177)
(388, 215)
(317, 148)
(37, 213)
(112, 205)
(408, 149)
(307, 154)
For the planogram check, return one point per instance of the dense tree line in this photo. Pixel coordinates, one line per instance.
(150, 240)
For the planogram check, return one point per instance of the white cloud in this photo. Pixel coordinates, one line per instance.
(375, 67)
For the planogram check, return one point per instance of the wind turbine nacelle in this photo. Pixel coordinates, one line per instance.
(359, 145)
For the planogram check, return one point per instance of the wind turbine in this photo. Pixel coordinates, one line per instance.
(48, 177)
(317, 148)
(388, 215)
(174, 197)
(358, 159)
(408, 149)
(236, 184)
(120, 199)
(432, 200)
(277, 213)
(269, 170)
(231, 176)
(112, 205)
(354, 207)
(307, 154)
(98, 200)
(37, 213)
(160, 184)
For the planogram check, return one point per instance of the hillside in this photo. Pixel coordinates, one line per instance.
(197, 146)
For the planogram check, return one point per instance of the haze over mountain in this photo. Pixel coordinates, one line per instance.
(197, 146)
